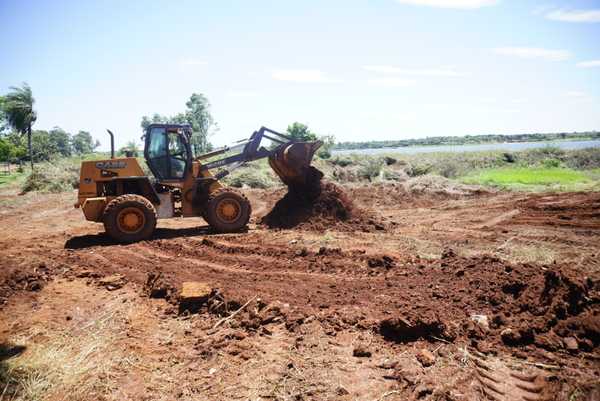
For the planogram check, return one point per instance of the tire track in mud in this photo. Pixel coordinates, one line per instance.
(572, 211)
(258, 258)
(249, 263)
(240, 271)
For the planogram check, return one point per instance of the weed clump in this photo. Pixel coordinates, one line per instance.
(584, 159)
(253, 178)
(371, 168)
(53, 176)
(342, 161)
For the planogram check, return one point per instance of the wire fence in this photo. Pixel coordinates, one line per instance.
(5, 168)
(8, 168)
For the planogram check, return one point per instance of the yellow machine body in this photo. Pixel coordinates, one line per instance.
(97, 175)
(118, 193)
(95, 172)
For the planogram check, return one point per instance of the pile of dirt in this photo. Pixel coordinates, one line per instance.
(318, 206)
(552, 307)
(15, 278)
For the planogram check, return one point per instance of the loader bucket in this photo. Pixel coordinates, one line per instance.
(291, 162)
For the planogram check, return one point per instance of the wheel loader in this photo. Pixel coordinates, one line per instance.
(117, 192)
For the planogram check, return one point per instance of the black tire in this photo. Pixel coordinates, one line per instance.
(129, 218)
(233, 202)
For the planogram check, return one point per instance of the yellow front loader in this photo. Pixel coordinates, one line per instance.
(117, 193)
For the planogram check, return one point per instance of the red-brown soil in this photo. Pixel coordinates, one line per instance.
(338, 311)
(330, 208)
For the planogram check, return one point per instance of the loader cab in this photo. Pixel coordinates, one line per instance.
(167, 151)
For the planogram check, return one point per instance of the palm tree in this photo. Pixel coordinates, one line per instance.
(18, 106)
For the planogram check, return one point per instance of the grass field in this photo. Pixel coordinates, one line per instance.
(7, 179)
(555, 178)
(536, 169)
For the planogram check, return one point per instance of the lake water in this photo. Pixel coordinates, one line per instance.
(515, 146)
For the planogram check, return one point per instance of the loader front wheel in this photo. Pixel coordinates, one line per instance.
(129, 218)
(227, 211)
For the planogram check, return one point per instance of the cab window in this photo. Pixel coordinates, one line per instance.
(167, 154)
(177, 155)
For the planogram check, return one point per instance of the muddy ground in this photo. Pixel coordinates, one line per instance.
(425, 295)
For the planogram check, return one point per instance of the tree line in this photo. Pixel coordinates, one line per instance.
(199, 117)
(46, 145)
(470, 140)
(18, 139)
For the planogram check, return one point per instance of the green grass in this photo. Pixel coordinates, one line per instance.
(11, 179)
(527, 176)
(535, 178)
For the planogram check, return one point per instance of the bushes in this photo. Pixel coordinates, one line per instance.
(418, 170)
(509, 157)
(253, 177)
(394, 175)
(551, 163)
(584, 159)
(63, 174)
(450, 170)
(54, 176)
(342, 161)
(371, 168)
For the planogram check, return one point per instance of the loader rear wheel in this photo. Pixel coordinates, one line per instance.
(129, 218)
(227, 211)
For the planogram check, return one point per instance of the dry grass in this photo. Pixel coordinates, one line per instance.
(80, 362)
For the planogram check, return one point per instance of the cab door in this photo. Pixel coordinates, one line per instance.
(167, 153)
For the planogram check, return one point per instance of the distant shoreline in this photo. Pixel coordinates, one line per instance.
(469, 140)
(566, 144)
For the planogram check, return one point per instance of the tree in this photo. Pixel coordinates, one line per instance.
(61, 141)
(42, 147)
(324, 151)
(4, 126)
(300, 132)
(18, 106)
(155, 119)
(130, 147)
(83, 143)
(5, 150)
(197, 115)
(17, 145)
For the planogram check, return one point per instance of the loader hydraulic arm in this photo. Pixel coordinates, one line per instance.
(251, 150)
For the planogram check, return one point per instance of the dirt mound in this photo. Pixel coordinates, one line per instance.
(318, 206)
(552, 307)
(401, 330)
(14, 279)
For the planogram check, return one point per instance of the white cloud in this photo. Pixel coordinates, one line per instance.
(460, 4)
(431, 72)
(576, 94)
(533, 52)
(574, 15)
(392, 82)
(589, 64)
(303, 76)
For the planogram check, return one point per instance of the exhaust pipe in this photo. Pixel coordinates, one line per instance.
(112, 144)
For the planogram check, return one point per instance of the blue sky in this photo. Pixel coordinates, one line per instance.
(360, 70)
